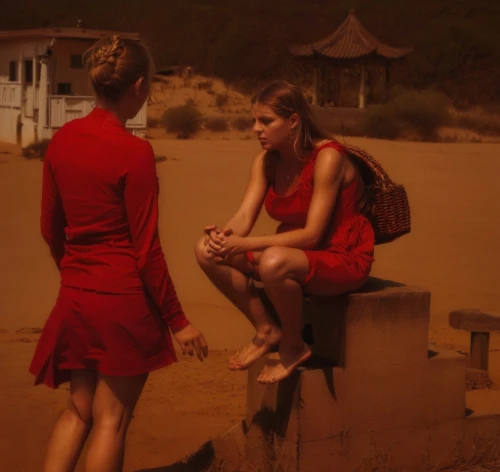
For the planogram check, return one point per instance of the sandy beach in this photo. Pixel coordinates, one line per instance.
(452, 251)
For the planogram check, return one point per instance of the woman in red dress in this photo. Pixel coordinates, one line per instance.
(110, 324)
(323, 245)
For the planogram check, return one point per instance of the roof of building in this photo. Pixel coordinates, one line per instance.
(63, 33)
(350, 41)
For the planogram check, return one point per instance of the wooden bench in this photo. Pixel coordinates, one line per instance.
(479, 324)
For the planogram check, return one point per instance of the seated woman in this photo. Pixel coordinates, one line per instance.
(323, 245)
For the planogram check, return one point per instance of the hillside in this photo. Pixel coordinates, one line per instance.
(457, 42)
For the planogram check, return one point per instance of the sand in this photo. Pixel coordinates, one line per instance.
(453, 251)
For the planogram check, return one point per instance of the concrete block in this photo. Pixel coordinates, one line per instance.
(320, 412)
(376, 330)
(442, 392)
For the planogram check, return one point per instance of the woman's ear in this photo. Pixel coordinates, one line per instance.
(294, 122)
(139, 83)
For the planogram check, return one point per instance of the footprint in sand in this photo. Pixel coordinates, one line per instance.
(30, 330)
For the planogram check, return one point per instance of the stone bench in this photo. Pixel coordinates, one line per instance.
(479, 324)
(372, 372)
(374, 396)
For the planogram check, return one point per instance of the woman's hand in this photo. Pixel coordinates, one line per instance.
(231, 245)
(213, 239)
(191, 340)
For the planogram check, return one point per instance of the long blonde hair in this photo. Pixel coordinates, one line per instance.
(115, 63)
(285, 99)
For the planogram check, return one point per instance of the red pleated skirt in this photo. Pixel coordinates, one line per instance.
(114, 334)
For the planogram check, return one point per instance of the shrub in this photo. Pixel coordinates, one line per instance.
(36, 149)
(480, 121)
(205, 85)
(221, 100)
(153, 122)
(243, 123)
(216, 123)
(419, 113)
(382, 122)
(184, 120)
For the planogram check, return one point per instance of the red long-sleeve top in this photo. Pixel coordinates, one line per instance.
(100, 212)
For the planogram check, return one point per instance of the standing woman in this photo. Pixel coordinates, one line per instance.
(110, 325)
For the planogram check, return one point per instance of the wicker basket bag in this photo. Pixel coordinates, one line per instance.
(386, 204)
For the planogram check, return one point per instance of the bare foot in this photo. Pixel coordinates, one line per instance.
(287, 363)
(258, 347)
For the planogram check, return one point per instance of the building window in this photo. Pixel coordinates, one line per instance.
(28, 71)
(76, 61)
(63, 88)
(12, 71)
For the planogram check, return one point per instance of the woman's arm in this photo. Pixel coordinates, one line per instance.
(329, 173)
(245, 217)
(141, 203)
(52, 219)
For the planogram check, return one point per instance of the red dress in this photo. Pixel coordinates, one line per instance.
(100, 220)
(344, 258)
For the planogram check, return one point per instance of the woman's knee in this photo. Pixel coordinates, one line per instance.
(273, 264)
(116, 419)
(115, 401)
(80, 403)
(80, 410)
(204, 258)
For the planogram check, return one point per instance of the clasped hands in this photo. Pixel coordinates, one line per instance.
(222, 242)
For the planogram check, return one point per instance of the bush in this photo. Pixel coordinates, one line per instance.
(184, 120)
(419, 113)
(216, 123)
(382, 122)
(36, 149)
(243, 123)
(205, 85)
(221, 100)
(153, 122)
(482, 122)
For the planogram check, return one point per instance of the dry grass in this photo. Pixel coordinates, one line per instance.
(478, 120)
(485, 457)
(243, 122)
(216, 123)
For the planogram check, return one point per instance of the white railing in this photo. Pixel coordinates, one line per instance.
(64, 108)
(140, 120)
(10, 94)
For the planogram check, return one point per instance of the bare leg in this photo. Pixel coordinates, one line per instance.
(74, 424)
(282, 270)
(114, 402)
(232, 278)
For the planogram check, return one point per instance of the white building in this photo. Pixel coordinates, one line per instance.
(43, 83)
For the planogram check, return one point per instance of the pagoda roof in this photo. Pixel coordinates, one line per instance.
(350, 41)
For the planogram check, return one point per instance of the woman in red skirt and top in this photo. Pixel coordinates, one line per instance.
(323, 245)
(117, 304)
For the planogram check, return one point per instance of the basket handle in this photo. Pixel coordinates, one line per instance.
(370, 161)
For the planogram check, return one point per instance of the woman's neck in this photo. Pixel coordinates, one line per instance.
(113, 108)
(291, 153)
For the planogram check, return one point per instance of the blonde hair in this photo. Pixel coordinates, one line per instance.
(286, 99)
(115, 63)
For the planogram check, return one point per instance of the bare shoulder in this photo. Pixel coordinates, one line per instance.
(330, 157)
(330, 167)
(264, 161)
(260, 157)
